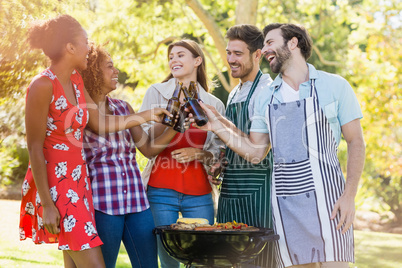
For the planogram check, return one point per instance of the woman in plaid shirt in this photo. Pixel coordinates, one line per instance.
(121, 206)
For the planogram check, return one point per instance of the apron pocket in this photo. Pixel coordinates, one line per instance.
(246, 197)
(293, 178)
(302, 228)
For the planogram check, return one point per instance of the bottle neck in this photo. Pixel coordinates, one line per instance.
(196, 95)
(186, 93)
(177, 90)
(193, 89)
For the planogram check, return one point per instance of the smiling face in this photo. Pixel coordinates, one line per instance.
(275, 51)
(182, 64)
(110, 75)
(240, 60)
(81, 48)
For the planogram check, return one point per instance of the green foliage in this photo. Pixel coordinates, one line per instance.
(16, 62)
(13, 160)
(133, 30)
(138, 34)
(374, 65)
(327, 22)
(18, 65)
(359, 40)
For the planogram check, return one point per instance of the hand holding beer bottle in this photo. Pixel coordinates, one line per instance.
(173, 106)
(191, 105)
(194, 107)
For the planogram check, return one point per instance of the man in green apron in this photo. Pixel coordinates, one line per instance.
(302, 116)
(245, 191)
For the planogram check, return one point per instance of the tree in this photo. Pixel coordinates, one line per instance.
(18, 65)
(341, 45)
(207, 22)
(359, 40)
(374, 62)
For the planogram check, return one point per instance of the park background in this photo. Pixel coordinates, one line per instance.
(357, 39)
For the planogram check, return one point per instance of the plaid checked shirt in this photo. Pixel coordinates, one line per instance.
(115, 178)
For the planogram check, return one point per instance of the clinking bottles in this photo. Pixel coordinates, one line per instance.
(180, 123)
(192, 104)
(173, 106)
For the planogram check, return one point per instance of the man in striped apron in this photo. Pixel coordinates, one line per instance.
(302, 116)
(245, 192)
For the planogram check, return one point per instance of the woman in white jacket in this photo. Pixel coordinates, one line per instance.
(177, 176)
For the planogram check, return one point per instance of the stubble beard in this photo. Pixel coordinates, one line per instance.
(248, 68)
(282, 55)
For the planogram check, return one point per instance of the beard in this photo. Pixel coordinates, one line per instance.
(246, 70)
(281, 56)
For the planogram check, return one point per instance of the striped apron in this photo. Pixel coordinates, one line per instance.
(245, 191)
(306, 182)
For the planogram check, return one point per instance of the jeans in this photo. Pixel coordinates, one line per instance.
(135, 230)
(166, 205)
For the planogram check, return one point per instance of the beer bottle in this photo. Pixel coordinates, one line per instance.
(224, 162)
(198, 113)
(180, 123)
(173, 106)
(194, 89)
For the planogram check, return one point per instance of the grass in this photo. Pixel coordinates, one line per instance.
(378, 250)
(373, 250)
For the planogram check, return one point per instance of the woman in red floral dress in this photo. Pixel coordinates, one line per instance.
(56, 204)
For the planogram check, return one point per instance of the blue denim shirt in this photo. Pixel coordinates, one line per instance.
(335, 96)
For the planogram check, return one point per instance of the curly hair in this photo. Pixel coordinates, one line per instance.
(52, 35)
(93, 75)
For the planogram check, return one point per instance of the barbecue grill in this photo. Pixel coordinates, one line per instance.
(214, 248)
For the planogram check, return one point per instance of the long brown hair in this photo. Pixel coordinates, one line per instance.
(196, 50)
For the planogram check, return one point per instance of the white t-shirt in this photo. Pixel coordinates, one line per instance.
(240, 92)
(288, 93)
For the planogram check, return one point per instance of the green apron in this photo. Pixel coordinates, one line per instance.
(246, 188)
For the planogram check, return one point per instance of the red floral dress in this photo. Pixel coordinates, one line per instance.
(69, 184)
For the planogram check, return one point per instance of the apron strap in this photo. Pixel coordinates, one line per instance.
(232, 109)
(241, 119)
(253, 86)
(313, 91)
(244, 111)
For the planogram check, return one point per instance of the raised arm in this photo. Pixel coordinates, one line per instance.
(151, 147)
(211, 150)
(353, 134)
(36, 116)
(101, 123)
(252, 148)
